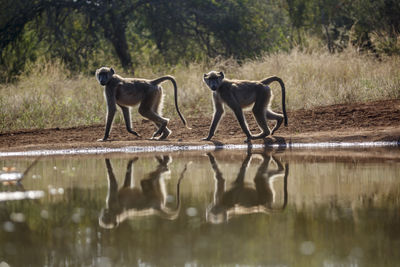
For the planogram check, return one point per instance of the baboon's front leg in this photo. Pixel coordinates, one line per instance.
(215, 121)
(219, 179)
(218, 112)
(128, 173)
(127, 118)
(112, 184)
(239, 181)
(111, 108)
(242, 121)
(237, 109)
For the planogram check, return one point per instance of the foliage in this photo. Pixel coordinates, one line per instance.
(87, 34)
(50, 49)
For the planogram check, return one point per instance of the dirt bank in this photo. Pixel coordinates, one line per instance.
(374, 121)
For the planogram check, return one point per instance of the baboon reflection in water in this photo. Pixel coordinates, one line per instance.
(242, 198)
(130, 201)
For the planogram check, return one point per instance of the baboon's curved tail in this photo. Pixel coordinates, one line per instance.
(173, 214)
(170, 78)
(279, 80)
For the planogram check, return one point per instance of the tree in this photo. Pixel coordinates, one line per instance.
(70, 28)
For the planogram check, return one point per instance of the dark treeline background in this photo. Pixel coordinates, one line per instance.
(86, 34)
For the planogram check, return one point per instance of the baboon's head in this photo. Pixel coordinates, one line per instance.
(104, 74)
(108, 219)
(213, 79)
(216, 214)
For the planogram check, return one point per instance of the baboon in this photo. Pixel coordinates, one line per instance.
(244, 198)
(239, 94)
(128, 92)
(132, 201)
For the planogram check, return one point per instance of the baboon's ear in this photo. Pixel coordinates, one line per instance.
(112, 71)
(205, 75)
(222, 74)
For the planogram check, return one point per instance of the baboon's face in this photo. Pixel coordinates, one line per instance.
(213, 79)
(216, 215)
(104, 75)
(108, 219)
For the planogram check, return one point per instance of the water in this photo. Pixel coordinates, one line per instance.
(281, 208)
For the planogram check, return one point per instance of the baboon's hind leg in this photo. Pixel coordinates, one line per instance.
(149, 109)
(259, 111)
(274, 116)
(158, 105)
(164, 132)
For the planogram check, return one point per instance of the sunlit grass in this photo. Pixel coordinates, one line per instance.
(50, 96)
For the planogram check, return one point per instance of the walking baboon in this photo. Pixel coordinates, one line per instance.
(244, 198)
(132, 201)
(239, 94)
(128, 92)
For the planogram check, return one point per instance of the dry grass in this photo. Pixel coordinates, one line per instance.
(51, 97)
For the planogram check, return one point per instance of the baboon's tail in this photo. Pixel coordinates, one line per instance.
(170, 78)
(173, 214)
(279, 80)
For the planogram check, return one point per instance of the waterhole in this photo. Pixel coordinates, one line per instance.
(338, 207)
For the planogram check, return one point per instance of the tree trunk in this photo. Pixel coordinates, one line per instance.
(118, 40)
(114, 31)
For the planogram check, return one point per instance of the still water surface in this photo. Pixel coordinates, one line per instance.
(201, 209)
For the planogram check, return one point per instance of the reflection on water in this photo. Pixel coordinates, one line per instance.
(131, 201)
(10, 176)
(242, 198)
(226, 208)
(12, 180)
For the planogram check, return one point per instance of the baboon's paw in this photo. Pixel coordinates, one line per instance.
(248, 140)
(155, 134)
(135, 133)
(165, 134)
(260, 136)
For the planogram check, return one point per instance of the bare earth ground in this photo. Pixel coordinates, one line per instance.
(374, 121)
